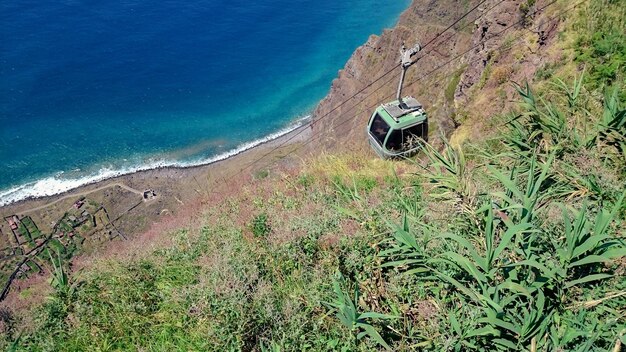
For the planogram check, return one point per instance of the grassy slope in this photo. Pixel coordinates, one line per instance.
(515, 242)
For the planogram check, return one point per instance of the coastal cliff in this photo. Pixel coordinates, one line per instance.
(487, 41)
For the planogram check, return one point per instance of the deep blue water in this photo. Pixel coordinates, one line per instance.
(89, 89)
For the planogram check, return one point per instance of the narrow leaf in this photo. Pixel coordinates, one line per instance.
(588, 278)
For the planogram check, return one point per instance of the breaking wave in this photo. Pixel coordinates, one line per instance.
(54, 185)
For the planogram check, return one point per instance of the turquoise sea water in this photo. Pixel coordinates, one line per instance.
(94, 89)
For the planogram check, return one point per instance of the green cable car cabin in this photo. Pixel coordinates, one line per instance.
(397, 129)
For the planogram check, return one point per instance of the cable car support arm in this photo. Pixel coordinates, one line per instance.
(406, 62)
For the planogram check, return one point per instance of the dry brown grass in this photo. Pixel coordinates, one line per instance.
(501, 74)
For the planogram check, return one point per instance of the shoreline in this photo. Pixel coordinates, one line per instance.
(278, 137)
(175, 180)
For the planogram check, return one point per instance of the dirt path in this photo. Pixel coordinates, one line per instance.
(74, 195)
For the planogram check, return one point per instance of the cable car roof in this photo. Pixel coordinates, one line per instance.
(411, 113)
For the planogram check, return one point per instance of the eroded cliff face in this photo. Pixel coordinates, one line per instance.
(454, 77)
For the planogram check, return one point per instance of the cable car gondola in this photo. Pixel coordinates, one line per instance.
(396, 129)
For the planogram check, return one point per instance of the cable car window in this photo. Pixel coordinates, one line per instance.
(379, 129)
(415, 132)
(395, 141)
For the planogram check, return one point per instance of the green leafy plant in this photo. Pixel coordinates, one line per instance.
(406, 252)
(65, 287)
(612, 128)
(349, 193)
(357, 322)
(584, 246)
(447, 173)
(515, 275)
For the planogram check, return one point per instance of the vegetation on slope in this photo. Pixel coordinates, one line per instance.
(518, 244)
(601, 42)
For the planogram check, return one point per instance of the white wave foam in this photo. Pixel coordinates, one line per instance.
(50, 186)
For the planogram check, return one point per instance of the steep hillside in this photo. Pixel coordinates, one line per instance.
(511, 238)
(507, 39)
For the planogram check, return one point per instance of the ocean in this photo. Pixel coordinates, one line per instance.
(93, 89)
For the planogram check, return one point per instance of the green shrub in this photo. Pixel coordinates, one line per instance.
(546, 71)
(306, 180)
(366, 183)
(525, 11)
(484, 77)
(261, 174)
(601, 43)
(260, 226)
(453, 83)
